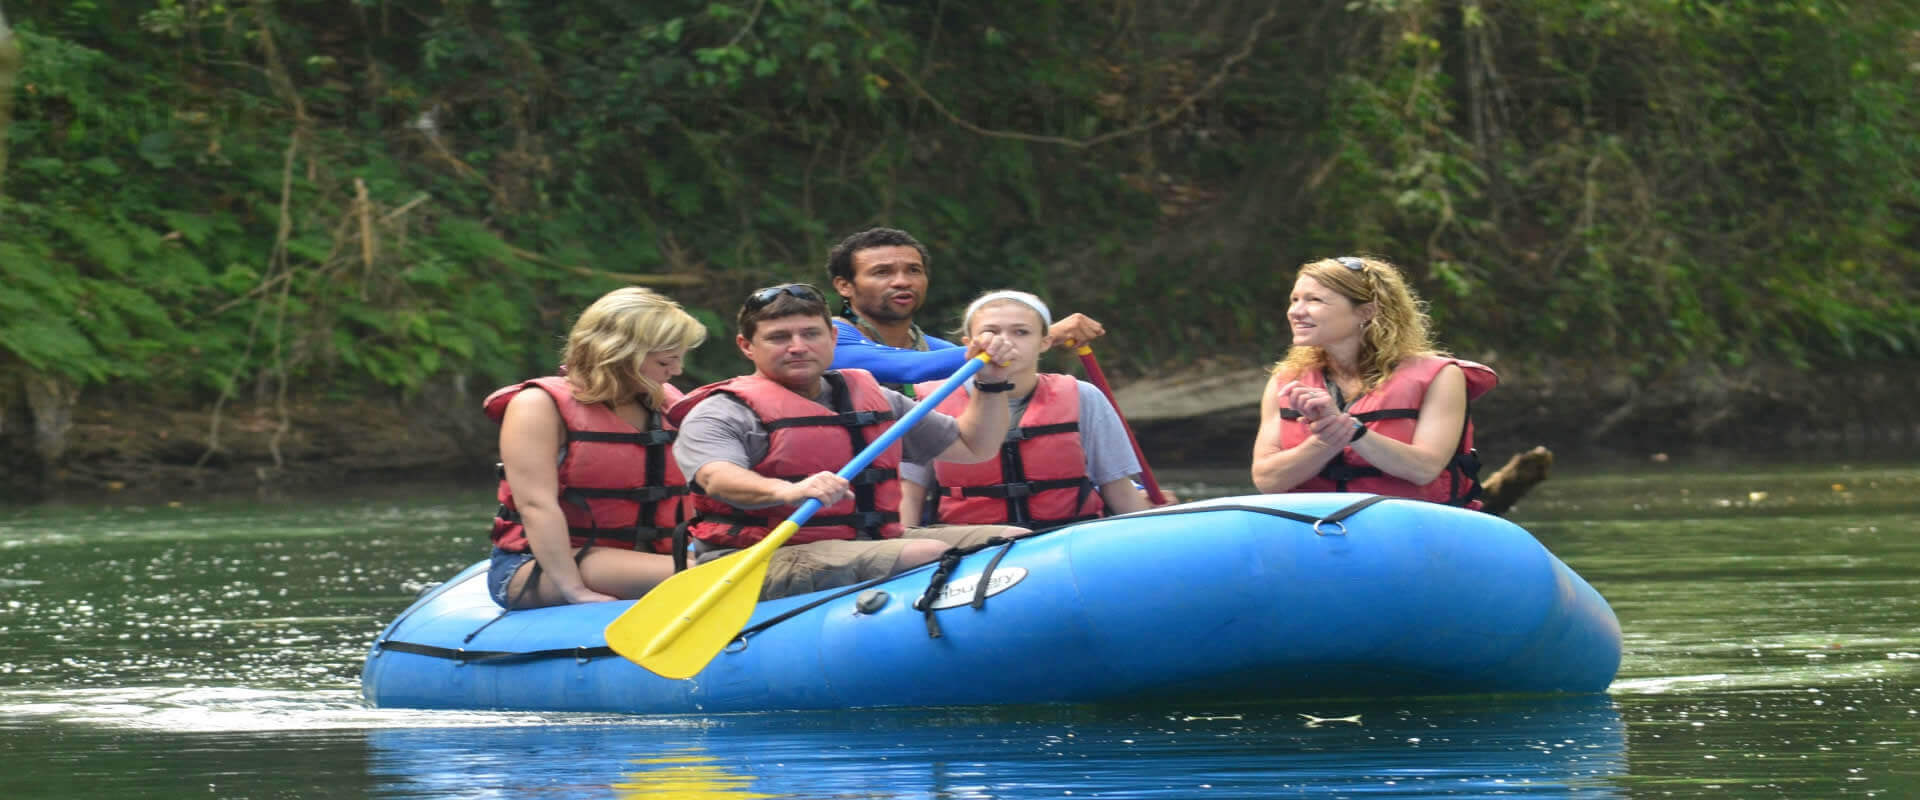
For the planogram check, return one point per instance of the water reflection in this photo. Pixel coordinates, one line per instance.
(1532, 747)
(690, 776)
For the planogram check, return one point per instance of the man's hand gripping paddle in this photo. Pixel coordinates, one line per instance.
(676, 629)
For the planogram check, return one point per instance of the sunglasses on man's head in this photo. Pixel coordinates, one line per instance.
(760, 299)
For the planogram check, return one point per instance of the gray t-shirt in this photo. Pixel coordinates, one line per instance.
(1102, 436)
(722, 428)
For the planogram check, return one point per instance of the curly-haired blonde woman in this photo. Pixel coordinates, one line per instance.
(590, 497)
(1363, 401)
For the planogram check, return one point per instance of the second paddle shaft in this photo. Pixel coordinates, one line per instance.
(1099, 379)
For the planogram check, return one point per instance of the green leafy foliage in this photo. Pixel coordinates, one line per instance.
(1661, 183)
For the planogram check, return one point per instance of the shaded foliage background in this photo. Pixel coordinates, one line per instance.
(216, 201)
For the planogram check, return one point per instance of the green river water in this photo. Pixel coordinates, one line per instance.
(212, 650)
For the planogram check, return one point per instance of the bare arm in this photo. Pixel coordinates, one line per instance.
(892, 364)
(530, 437)
(1443, 415)
(1279, 470)
(1075, 330)
(983, 426)
(740, 486)
(912, 499)
(1123, 497)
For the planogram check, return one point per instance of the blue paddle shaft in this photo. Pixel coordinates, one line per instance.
(894, 433)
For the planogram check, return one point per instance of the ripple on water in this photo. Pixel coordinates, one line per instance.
(237, 709)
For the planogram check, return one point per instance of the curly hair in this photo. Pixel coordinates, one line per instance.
(613, 335)
(1399, 329)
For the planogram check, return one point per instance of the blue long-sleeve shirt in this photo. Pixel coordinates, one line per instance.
(892, 364)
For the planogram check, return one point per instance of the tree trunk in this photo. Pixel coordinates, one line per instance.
(1523, 471)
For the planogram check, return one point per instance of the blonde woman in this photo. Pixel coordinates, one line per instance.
(589, 494)
(1363, 401)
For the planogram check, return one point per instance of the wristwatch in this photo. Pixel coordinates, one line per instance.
(991, 388)
(1359, 430)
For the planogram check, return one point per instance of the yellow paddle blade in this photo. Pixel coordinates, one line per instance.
(678, 627)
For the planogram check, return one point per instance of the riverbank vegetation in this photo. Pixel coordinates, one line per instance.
(214, 203)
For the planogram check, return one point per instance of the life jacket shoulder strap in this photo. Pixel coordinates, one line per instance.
(844, 419)
(1028, 432)
(1021, 489)
(653, 438)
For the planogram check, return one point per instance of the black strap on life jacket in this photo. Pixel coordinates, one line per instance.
(649, 495)
(1014, 486)
(1365, 416)
(870, 476)
(657, 479)
(654, 436)
(1462, 471)
(655, 442)
(866, 520)
(863, 493)
(636, 536)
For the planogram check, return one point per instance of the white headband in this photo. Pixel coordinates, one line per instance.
(1046, 317)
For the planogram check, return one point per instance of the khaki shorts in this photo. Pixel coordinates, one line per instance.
(810, 567)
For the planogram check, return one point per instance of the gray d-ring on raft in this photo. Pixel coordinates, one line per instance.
(1319, 522)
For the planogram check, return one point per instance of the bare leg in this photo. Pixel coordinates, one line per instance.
(927, 544)
(626, 574)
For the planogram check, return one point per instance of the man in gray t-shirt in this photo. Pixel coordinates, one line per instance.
(786, 332)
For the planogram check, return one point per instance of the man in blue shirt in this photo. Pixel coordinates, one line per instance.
(881, 275)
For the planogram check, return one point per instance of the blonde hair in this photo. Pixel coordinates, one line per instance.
(1399, 329)
(614, 334)
(1001, 297)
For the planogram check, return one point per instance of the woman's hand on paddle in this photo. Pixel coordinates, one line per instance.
(826, 487)
(1073, 331)
(1000, 352)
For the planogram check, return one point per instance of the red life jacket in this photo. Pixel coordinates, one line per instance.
(804, 437)
(619, 487)
(1392, 409)
(1040, 478)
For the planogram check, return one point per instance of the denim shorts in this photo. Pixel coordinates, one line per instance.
(500, 573)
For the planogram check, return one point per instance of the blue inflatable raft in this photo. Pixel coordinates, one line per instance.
(1245, 598)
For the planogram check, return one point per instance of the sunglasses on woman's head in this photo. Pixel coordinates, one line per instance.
(1352, 263)
(759, 300)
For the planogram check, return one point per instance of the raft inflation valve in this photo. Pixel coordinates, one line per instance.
(870, 601)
